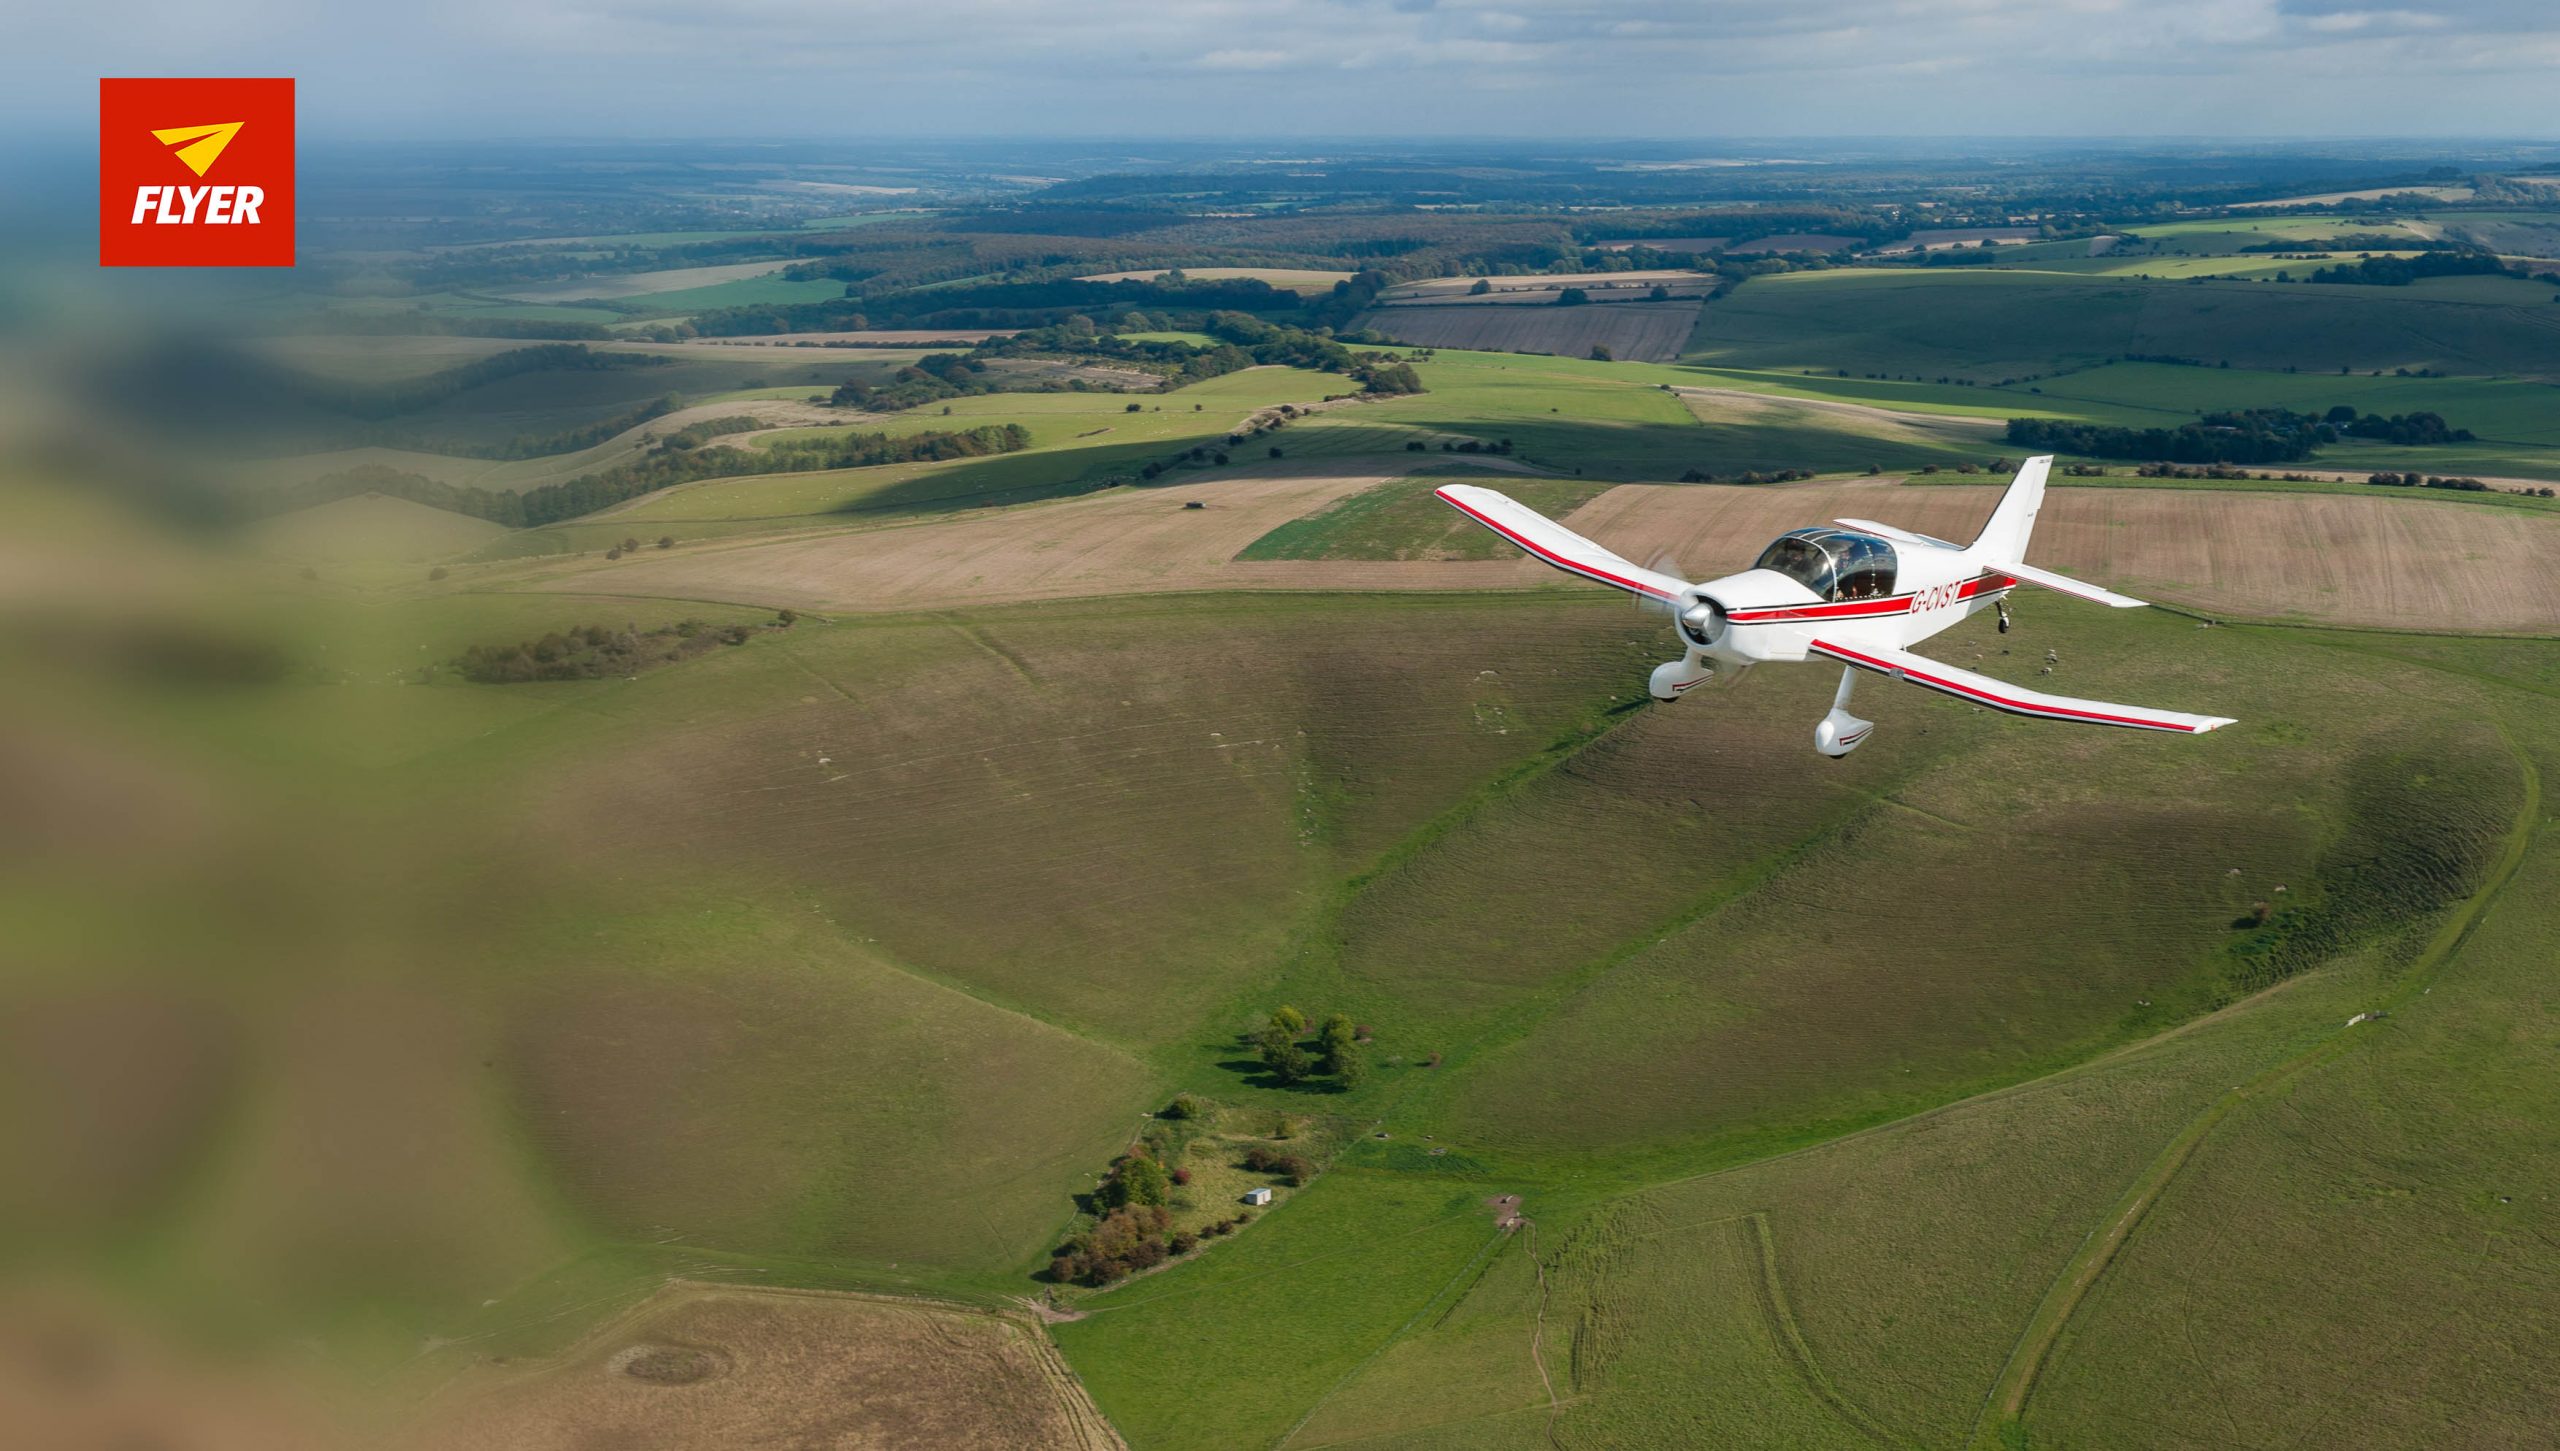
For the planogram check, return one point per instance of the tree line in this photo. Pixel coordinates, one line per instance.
(2401, 271)
(2237, 436)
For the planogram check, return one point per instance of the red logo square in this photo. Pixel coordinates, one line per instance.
(195, 172)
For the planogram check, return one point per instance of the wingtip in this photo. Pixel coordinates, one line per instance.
(2215, 723)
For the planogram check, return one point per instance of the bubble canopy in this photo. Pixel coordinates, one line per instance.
(1836, 564)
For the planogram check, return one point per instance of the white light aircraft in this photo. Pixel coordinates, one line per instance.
(1858, 592)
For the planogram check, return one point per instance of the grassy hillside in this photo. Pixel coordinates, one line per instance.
(1875, 1287)
(1949, 1095)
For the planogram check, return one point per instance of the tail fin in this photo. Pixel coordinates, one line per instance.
(2005, 537)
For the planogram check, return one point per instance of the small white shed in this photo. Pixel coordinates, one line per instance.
(1257, 1197)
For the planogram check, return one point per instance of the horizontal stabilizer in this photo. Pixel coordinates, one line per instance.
(2065, 584)
(2015, 699)
(1552, 543)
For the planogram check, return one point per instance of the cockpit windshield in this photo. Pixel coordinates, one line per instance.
(1836, 564)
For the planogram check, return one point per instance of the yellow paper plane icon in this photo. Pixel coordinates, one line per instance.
(198, 146)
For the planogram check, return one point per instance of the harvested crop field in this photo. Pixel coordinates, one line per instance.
(2400, 562)
(1137, 541)
(2405, 563)
(711, 1367)
(1648, 332)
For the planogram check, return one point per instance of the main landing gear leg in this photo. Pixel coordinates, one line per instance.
(1840, 732)
(2003, 607)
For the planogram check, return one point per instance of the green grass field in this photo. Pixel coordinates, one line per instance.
(849, 955)
(1952, 1095)
(1403, 520)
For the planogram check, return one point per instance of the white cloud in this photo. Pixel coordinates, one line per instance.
(1680, 67)
(2344, 21)
(1245, 60)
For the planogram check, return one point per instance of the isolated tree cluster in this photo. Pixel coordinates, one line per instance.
(592, 652)
(1339, 1051)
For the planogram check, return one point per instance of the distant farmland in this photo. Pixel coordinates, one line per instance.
(1543, 287)
(641, 284)
(1287, 279)
(1651, 332)
(1796, 242)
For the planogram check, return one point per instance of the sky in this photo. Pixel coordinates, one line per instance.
(472, 69)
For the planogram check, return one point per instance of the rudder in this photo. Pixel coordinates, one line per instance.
(2014, 521)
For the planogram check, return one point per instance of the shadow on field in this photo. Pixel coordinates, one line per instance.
(1258, 1075)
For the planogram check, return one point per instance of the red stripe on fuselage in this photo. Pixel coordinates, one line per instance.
(1862, 609)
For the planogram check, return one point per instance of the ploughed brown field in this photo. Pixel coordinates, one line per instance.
(707, 1367)
(2405, 562)
(1644, 332)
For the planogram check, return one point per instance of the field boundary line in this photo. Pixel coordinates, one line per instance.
(1538, 1336)
(1496, 1241)
(2004, 1405)
(977, 635)
(1781, 1319)
(1291, 1267)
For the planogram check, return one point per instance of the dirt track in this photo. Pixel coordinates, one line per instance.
(2406, 562)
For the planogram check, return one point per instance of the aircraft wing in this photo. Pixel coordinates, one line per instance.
(2014, 699)
(1554, 544)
